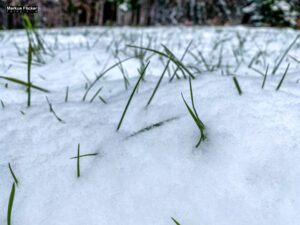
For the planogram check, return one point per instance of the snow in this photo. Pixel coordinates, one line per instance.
(247, 171)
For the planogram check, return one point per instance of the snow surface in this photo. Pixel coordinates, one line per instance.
(246, 172)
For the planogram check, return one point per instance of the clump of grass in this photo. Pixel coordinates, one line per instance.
(282, 79)
(52, 111)
(152, 126)
(12, 173)
(10, 204)
(237, 85)
(142, 72)
(176, 222)
(194, 115)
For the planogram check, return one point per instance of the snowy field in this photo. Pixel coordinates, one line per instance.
(246, 171)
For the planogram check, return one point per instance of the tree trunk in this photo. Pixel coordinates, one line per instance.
(145, 12)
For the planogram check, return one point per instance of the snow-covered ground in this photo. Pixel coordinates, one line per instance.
(246, 172)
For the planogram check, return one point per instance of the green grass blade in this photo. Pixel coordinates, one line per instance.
(24, 83)
(158, 83)
(197, 121)
(131, 96)
(28, 74)
(175, 221)
(78, 161)
(91, 154)
(293, 58)
(96, 94)
(265, 78)
(102, 100)
(237, 85)
(152, 126)
(53, 112)
(10, 204)
(193, 105)
(67, 94)
(101, 75)
(282, 79)
(12, 173)
(204, 61)
(284, 54)
(182, 57)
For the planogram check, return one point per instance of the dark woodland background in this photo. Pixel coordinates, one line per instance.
(61, 13)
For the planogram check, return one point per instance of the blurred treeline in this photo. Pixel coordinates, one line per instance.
(60, 13)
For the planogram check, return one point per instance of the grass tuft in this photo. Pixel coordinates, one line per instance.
(152, 126)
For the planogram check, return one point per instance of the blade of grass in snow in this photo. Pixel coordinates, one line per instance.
(175, 221)
(158, 83)
(78, 161)
(101, 75)
(237, 85)
(96, 94)
(142, 72)
(182, 57)
(284, 54)
(2, 104)
(194, 115)
(24, 83)
(282, 79)
(293, 58)
(52, 111)
(67, 94)
(10, 204)
(265, 78)
(12, 173)
(102, 100)
(85, 155)
(28, 74)
(152, 126)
